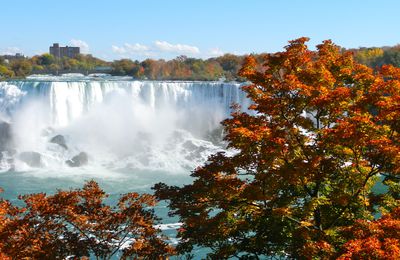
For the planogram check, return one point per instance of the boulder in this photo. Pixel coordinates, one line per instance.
(5, 136)
(47, 131)
(60, 140)
(78, 160)
(33, 159)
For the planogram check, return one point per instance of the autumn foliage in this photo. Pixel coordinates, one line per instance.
(379, 239)
(78, 224)
(321, 132)
(299, 181)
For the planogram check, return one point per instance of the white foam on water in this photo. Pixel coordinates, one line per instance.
(119, 123)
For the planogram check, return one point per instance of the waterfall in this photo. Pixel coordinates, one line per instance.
(156, 124)
(68, 100)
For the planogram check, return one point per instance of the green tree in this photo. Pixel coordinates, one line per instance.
(70, 64)
(392, 56)
(5, 72)
(230, 64)
(371, 57)
(46, 59)
(125, 67)
(54, 67)
(21, 67)
(322, 129)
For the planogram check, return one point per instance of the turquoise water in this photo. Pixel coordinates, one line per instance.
(114, 183)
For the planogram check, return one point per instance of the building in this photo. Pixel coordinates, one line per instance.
(60, 52)
(8, 57)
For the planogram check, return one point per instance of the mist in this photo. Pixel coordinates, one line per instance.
(119, 124)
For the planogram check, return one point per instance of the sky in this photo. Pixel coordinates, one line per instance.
(139, 29)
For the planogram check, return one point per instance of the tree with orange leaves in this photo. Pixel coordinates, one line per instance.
(77, 224)
(379, 239)
(321, 131)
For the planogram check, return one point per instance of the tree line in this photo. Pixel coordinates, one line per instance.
(181, 68)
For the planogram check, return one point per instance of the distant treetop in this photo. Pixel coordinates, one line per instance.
(181, 68)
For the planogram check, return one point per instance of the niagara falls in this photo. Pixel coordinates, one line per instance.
(126, 128)
(168, 130)
(59, 131)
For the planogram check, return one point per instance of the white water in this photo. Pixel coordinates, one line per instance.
(136, 133)
(120, 123)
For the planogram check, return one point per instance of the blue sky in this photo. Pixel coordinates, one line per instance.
(198, 28)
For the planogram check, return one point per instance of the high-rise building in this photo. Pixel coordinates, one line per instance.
(59, 52)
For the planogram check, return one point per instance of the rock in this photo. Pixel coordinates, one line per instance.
(78, 160)
(33, 159)
(60, 140)
(11, 151)
(5, 136)
(47, 131)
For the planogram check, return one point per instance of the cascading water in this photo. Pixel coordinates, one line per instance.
(117, 123)
(127, 135)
